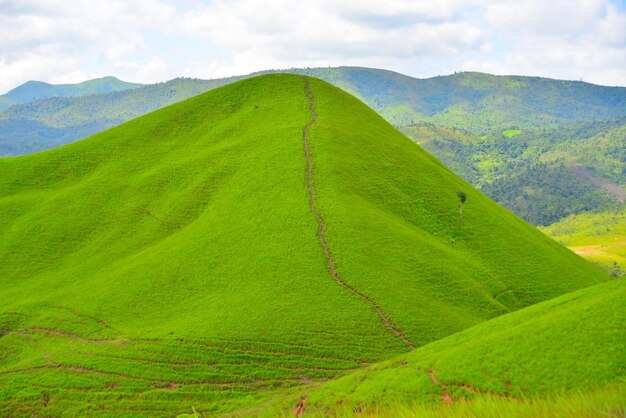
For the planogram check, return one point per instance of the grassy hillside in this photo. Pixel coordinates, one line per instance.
(598, 237)
(35, 90)
(175, 259)
(491, 130)
(563, 357)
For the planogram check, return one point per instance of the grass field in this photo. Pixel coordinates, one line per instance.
(173, 261)
(601, 403)
(598, 237)
(550, 359)
(510, 133)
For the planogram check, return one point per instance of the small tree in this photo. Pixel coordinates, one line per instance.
(462, 198)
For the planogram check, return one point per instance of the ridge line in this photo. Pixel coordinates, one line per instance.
(322, 227)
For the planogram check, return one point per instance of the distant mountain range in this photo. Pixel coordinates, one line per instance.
(36, 90)
(544, 148)
(476, 101)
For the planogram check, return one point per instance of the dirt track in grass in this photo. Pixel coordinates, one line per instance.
(322, 227)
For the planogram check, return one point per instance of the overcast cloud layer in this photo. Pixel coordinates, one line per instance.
(62, 41)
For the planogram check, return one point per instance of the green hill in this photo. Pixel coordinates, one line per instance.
(36, 90)
(543, 148)
(563, 357)
(479, 103)
(176, 260)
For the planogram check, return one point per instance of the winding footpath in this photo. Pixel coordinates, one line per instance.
(322, 228)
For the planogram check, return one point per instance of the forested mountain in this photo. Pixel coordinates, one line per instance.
(478, 103)
(475, 101)
(543, 174)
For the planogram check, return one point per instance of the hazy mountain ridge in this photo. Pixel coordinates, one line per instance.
(36, 90)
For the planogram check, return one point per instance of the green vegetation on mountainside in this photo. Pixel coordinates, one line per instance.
(546, 193)
(570, 348)
(175, 259)
(543, 175)
(474, 101)
(510, 133)
(598, 237)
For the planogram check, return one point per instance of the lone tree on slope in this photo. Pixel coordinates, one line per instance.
(462, 199)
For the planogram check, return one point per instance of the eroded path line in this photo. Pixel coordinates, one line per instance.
(322, 227)
(444, 393)
(467, 388)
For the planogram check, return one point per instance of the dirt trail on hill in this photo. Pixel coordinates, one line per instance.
(300, 407)
(322, 227)
(445, 396)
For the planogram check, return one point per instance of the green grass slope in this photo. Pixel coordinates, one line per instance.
(174, 260)
(491, 130)
(563, 357)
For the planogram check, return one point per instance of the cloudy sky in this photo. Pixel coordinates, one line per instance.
(64, 41)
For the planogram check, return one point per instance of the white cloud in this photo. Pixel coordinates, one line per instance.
(280, 34)
(151, 70)
(560, 39)
(66, 41)
(153, 40)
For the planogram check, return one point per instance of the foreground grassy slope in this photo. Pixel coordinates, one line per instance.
(601, 403)
(174, 260)
(531, 362)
